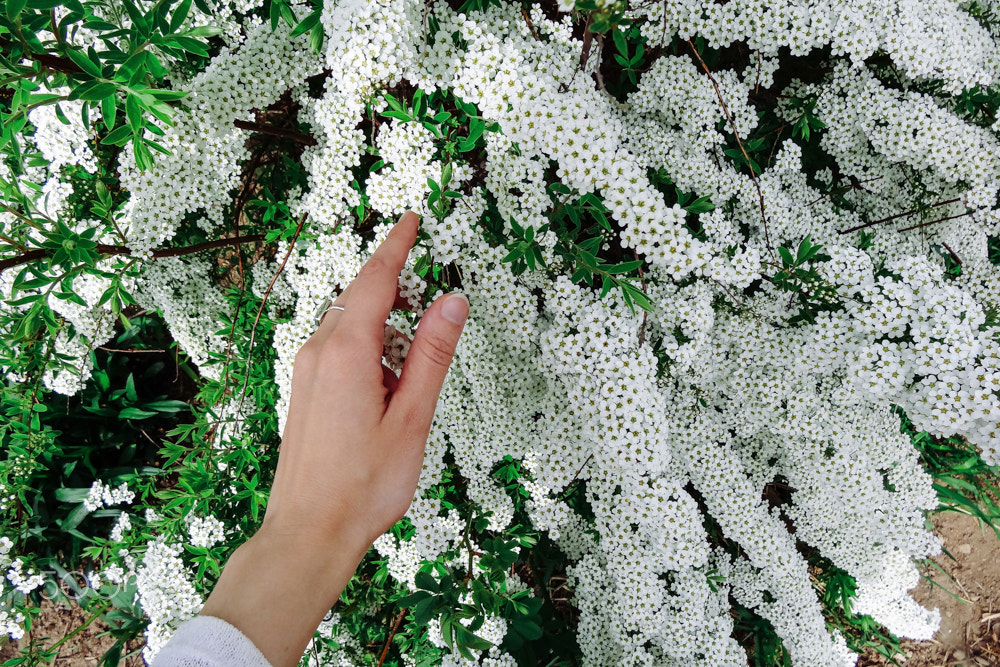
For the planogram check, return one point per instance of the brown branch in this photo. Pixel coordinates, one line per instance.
(262, 128)
(395, 628)
(56, 63)
(951, 252)
(896, 217)
(739, 142)
(584, 465)
(111, 250)
(260, 310)
(527, 19)
(933, 222)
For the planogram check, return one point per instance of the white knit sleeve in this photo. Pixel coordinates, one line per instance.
(206, 641)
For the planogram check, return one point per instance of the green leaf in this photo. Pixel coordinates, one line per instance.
(316, 39)
(419, 104)
(84, 63)
(307, 24)
(93, 91)
(624, 267)
(136, 413)
(786, 257)
(72, 495)
(414, 599)
(109, 109)
(469, 640)
(118, 137)
(167, 406)
(700, 205)
(191, 45)
(204, 30)
(425, 581)
(14, 9)
(620, 42)
(133, 111)
(180, 14)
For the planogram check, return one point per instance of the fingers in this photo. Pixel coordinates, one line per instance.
(368, 300)
(412, 405)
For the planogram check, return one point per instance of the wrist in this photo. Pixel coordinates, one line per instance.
(277, 587)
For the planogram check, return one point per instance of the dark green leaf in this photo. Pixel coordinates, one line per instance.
(180, 14)
(84, 63)
(14, 9)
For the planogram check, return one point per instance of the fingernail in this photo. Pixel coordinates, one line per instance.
(455, 308)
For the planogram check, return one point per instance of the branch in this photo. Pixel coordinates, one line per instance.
(395, 629)
(111, 250)
(57, 63)
(262, 128)
(260, 311)
(933, 222)
(896, 217)
(739, 142)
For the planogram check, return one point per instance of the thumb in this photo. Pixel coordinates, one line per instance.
(412, 404)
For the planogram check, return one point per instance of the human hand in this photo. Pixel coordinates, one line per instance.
(354, 440)
(350, 458)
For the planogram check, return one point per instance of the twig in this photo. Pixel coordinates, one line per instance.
(739, 142)
(110, 250)
(584, 465)
(531, 27)
(261, 128)
(896, 217)
(395, 628)
(260, 310)
(952, 253)
(932, 222)
(111, 349)
(600, 77)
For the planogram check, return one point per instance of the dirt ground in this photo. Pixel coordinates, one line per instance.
(970, 619)
(84, 650)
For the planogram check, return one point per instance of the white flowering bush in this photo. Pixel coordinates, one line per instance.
(734, 330)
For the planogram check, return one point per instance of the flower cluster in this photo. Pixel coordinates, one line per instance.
(753, 373)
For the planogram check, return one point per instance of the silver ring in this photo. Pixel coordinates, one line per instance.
(324, 309)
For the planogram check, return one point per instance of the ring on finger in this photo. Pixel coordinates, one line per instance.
(326, 307)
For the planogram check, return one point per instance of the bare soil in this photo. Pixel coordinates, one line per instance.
(85, 649)
(966, 589)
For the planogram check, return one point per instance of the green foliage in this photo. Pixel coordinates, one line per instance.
(797, 275)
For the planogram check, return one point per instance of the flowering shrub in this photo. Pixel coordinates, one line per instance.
(733, 270)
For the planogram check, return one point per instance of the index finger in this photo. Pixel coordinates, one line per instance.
(369, 298)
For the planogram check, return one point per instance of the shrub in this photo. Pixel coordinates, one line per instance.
(734, 285)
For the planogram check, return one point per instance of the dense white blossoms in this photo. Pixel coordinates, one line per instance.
(107, 495)
(699, 408)
(166, 592)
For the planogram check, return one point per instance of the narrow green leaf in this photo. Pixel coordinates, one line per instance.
(109, 109)
(307, 24)
(118, 137)
(84, 63)
(14, 9)
(180, 14)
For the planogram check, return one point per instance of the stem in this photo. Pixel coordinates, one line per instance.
(739, 142)
(90, 620)
(112, 250)
(388, 642)
(306, 139)
(934, 222)
(897, 216)
(260, 310)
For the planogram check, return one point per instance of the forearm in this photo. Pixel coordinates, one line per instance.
(276, 591)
